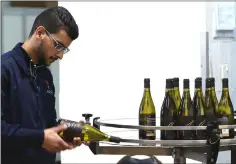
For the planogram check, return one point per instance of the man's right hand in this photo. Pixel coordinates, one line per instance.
(53, 142)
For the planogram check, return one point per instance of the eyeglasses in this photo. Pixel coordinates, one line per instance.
(59, 47)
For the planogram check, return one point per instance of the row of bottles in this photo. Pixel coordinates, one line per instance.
(185, 111)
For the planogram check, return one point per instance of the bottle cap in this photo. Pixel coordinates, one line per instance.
(176, 81)
(208, 83)
(186, 83)
(114, 139)
(225, 83)
(198, 82)
(169, 83)
(146, 82)
(198, 79)
(212, 79)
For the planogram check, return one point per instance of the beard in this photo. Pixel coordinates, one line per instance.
(42, 60)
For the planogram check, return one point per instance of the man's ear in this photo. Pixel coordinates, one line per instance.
(40, 32)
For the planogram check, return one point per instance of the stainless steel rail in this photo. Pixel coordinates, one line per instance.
(160, 127)
(198, 150)
(151, 150)
(179, 143)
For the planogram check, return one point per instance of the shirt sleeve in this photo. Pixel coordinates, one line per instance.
(14, 134)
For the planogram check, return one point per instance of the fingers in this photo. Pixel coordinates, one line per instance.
(64, 145)
(77, 141)
(60, 128)
(81, 122)
(61, 146)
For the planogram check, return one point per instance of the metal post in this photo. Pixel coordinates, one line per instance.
(178, 155)
(233, 154)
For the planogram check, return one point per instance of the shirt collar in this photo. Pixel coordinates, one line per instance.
(23, 59)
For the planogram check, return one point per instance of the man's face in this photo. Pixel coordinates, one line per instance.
(51, 46)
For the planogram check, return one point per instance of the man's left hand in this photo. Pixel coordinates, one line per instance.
(77, 141)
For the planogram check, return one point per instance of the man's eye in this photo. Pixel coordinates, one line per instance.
(61, 46)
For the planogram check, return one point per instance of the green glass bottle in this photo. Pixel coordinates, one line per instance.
(86, 132)
(186, 115)
(210, 110)
(214, 97)
(168, 113)
(176, 92)
(199, 109)
(226, 110)
(147, 113)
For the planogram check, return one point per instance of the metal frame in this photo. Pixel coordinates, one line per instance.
(179, 149)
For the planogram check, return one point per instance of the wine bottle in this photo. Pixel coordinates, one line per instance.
(214, 97)
(199, 109)
(86, 132)
(168, 113)
(226, 111)
(200, 79)
(186, 113)
(210, 107)
(147, 113)
(176, 92)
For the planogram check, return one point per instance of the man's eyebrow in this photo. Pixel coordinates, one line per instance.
(60, 43)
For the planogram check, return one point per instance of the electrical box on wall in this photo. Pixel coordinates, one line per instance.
(224, 25)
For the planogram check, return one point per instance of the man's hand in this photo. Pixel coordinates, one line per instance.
(77, 141)
(53, 142)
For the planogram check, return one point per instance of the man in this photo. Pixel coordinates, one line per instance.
(29, 128)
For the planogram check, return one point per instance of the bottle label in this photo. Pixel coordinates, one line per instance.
(225, 132)
(74, 129)
(186, 121)
(223, 121)
(168, 134)
(200, 134)
(147, 120)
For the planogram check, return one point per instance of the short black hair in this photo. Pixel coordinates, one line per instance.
(54, 19)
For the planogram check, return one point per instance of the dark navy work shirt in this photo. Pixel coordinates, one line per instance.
(27, 108)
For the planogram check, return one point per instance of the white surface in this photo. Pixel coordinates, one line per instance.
(121, 43)
(224, 20)
(226, 17)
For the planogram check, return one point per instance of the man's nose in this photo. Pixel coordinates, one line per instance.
(60, 55)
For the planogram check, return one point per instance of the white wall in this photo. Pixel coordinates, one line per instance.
(221, 51)
(121, 43)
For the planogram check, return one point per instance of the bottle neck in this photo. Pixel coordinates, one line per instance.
(208, 92)
(198, 100)
(213, 90)
(176, 91)
(225, 93)
(197, 92)
(168, 91)
(147, 92)
(186, 93)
